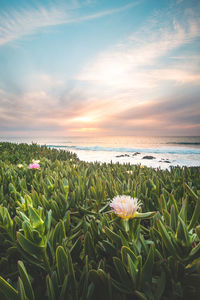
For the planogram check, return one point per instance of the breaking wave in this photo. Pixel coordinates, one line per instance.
(133, 150)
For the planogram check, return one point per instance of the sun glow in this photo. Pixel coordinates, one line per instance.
(85, 129)
(84, 119)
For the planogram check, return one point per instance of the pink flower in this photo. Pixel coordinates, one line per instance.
(33, 166)
(125, 206)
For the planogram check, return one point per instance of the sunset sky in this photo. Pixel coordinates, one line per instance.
(99, 67)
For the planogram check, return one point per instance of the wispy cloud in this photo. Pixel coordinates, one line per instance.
(176, 75)
(106, 12)
(133, 64)
(132, 87)
(46, 81)
(173, 114)
(17, 23)
(39, 110)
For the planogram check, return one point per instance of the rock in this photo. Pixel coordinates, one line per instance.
(164, 161)
(123, 155)
(136, 153)
(148, 157)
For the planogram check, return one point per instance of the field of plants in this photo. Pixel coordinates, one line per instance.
(60, 238)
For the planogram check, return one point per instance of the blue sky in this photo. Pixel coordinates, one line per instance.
(98, 67)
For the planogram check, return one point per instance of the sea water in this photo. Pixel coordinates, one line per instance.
(164, 151)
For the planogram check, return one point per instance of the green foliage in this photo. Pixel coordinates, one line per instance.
(59, 238)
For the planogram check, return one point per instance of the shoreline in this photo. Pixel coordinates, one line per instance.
(161, 160)
(155, 156)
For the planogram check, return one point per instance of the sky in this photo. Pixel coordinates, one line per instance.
(99, 67)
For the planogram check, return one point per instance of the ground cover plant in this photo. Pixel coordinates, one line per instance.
(60, 238)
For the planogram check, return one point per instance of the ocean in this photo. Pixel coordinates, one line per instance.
(156, 152)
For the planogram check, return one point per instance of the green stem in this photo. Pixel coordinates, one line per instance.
(126, 225)
(46, 261)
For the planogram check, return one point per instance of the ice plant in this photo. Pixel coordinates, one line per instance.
(34, 166)
(125, 206)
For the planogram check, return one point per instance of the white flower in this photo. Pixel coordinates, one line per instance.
(35, 161)
(129, 172)
(125, 206)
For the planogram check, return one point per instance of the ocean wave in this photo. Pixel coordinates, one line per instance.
(133, 150)
(184, 143)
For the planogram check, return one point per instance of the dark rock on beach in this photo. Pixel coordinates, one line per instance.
(165, 161)
(148, 157)
(123, 155)
(136, 153)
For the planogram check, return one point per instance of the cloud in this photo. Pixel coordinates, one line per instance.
(40, 107)
(115, 92)
(176, 75)
(15, 24)
(168, 116)
(144, 60)
(47, 81)
(41, 112)
(69, 112)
